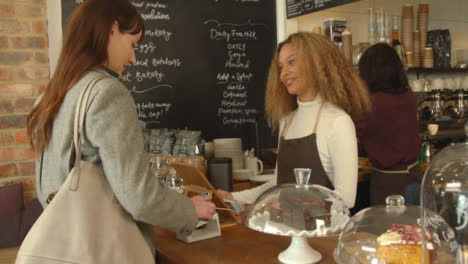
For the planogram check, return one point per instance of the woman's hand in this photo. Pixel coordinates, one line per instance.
(223, 194)
(204, 208)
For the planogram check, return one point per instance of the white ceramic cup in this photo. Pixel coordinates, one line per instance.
(464, 83)
(253, 164)
(242, 174)
(450, 84)
(458, 82)
(438, 84)
(432, 128)
(417, 85)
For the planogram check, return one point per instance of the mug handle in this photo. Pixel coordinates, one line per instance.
(261, 166)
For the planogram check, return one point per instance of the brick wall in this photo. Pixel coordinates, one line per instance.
(24, 72)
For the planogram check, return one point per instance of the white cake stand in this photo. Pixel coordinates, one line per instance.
(299, 252)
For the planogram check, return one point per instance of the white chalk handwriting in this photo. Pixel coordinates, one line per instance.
(173, 62)
(155, 15)
(159, 33)
(235, 87)
(248, 23)
(152, 110)
(236, 122)
(233, 34)
(233, 103)
(155, 75)
(136, 90)
(149, 47)
(231, 94)
(156, 4)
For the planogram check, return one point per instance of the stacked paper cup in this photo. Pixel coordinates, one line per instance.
(410, 59)
(423, 17)
(417, 49)
(230, 148)
(428, 57)
(407, 24)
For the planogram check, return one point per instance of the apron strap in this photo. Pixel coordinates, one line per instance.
(287, 122)
(40, 169)
(397, 171)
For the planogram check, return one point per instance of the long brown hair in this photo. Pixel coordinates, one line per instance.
(84, 48)
(325, 69)
(381, 68)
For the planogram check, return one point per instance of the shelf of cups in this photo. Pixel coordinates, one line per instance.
(450, 129)
(452, 124)
(437, 70)
(451, 134)
(419, 70)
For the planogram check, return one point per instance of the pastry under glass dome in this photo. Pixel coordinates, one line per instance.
(393, 233)
(445, 191)
(300, 211)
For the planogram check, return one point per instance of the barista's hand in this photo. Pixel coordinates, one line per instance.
(225, 195)
(204, 207)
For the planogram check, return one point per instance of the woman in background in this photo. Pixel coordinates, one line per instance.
(310, 95)
(389, 134)
(99, 41)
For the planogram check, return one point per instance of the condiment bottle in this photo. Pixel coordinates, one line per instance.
(347, 40)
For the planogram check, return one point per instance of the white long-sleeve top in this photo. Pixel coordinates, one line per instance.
(336, 143)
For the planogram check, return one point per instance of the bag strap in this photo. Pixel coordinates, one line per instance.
(40, 170)
(78, 124)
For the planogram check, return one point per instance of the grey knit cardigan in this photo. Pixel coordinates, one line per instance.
(113, 140)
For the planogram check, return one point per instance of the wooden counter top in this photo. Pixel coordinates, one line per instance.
(8, 255)
(236, 245)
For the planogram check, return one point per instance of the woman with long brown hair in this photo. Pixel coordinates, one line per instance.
(390, 133)
(99, 41)
(311, 93)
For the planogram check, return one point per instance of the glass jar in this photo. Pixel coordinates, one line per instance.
(159, 166)
(445, 191)
(174, 181)
(300, 211)
(392, 233)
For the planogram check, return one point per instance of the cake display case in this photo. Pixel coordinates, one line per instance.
(445, 191)
(300, 211)
(394, 233)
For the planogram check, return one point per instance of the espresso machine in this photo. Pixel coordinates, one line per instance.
(432, 107)
(444, 105)
(461, 107)
(456, 105)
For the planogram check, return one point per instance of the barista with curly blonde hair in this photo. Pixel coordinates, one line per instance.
(310, 95)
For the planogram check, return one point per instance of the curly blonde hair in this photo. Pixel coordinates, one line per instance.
(324, 68)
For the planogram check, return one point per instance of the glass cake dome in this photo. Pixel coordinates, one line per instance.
(393, 234)
(300, 211)
(445, 191)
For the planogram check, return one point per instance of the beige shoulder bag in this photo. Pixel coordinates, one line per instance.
(83, 223)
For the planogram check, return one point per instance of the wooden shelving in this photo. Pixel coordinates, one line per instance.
(419, 70)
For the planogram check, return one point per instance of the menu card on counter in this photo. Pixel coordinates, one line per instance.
(202, 64)
(296, 8)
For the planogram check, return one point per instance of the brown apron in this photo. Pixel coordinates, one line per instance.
(385, 182)
(300, 153)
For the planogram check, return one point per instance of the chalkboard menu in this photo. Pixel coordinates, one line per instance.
(296, 8)
(202, 64)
